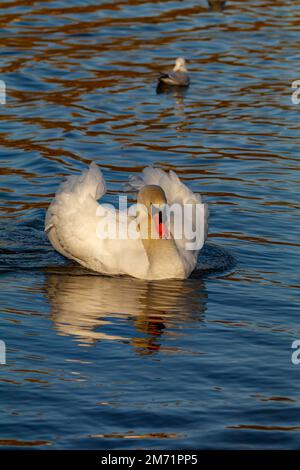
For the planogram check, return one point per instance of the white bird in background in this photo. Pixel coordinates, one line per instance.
(179, 75)
(73, 218)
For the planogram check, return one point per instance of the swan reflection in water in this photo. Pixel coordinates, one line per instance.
(94, 307)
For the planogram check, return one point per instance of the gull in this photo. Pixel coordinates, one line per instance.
(179, 75)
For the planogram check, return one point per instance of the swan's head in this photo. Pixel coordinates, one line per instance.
(152, 201)
(180, 65)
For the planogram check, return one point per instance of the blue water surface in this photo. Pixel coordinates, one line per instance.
(118, 363)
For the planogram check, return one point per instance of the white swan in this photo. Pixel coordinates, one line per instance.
(74, 217)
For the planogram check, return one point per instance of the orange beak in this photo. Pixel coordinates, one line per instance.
(160, 225)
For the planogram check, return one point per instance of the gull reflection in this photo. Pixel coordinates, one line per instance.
(93, 308)
(178, 93)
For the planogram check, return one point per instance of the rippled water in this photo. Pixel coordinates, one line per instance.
(95, 362)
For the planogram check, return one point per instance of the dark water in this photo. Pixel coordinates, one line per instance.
(95, 362)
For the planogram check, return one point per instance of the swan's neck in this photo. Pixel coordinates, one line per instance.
(163, 256)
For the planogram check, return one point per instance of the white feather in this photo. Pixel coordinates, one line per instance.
(73, 218)
(72, 227)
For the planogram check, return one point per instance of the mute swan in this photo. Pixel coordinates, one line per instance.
(75, 224)
(179, 76)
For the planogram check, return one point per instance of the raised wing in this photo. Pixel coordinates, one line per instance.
(77, 229)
